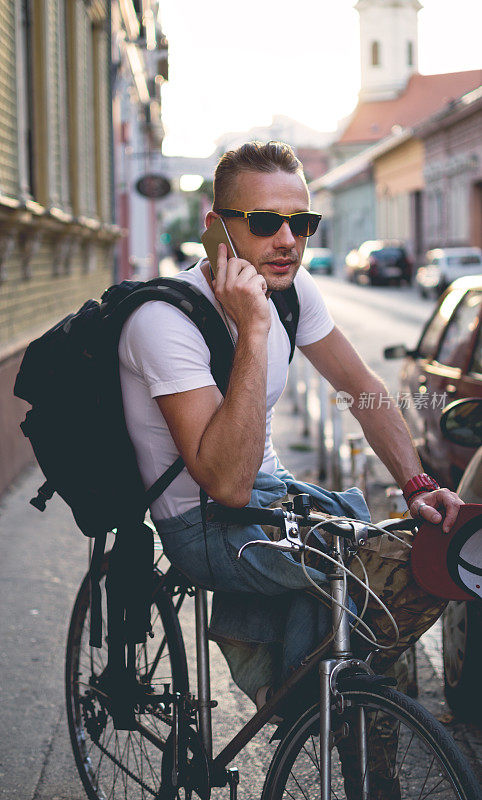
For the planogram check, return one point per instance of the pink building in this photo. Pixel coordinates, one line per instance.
(453, 173)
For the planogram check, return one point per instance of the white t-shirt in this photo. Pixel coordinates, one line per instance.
(162, 352)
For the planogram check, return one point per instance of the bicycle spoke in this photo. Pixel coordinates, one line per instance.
(143, 747)
(106, 746)
(426, 779)
(316, 754)
(129, 749)
(299, 787)
(312, 759)
(441, 781)
(119, 771)
(405, 756)
(125, 757)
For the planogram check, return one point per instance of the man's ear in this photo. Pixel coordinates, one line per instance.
(210, 217)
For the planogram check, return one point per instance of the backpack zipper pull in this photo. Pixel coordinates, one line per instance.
(44, 493)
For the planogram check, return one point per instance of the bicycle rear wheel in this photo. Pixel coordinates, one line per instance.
(410, 756)
(113, 763)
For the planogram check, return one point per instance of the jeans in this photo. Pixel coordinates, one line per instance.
(262, 619)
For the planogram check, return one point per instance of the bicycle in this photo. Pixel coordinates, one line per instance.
(361, 739)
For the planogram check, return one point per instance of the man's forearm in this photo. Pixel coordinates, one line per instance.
(232, 446)
(387, 433)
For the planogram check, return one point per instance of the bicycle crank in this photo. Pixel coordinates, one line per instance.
(193, 768)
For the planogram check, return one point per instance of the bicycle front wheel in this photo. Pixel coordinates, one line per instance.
(408, 754)
(119, 764)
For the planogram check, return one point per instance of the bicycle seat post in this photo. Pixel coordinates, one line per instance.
(203, 676)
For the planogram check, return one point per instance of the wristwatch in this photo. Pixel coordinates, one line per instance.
(417, 485)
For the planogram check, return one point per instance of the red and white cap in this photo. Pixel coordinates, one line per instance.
(449, 565)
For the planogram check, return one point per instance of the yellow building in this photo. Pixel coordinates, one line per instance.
(56, 188)
(399, 183)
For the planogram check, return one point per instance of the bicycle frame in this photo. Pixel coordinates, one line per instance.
(342, 657)
(343, 709)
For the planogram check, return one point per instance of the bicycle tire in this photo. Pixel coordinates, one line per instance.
(121, 764)
(294, 769)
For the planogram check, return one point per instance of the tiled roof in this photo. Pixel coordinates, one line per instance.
(423, 96)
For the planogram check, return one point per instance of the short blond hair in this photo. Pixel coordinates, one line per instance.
(252, 157)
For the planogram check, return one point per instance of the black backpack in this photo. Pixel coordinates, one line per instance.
(77, 429)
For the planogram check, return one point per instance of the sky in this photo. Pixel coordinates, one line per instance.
(233, 64)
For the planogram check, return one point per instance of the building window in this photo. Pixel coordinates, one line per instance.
(436, 214)
(25, 100)
(410, 54)
(58, 148)
(375, 54)
(458, 211)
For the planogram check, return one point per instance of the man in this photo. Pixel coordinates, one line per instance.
(173, 407)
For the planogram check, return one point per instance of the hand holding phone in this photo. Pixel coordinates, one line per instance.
(242, 307)
(215, 235)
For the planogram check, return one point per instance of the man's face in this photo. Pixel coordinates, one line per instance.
(278, 257)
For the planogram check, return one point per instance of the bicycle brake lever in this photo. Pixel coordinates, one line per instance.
(286, 545)
(399, 524)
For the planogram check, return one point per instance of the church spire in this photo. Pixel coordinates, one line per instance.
(388, 46)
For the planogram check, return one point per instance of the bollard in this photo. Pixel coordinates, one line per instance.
(336, 421)
(412, 683)
(293, 384)
(396, 502)
(322, 451)
(358, 460)
(305, 397)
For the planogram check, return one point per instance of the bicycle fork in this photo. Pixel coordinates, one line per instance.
(328, 695)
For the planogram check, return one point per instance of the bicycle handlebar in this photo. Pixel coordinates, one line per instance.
(246, 516)
(276, 517)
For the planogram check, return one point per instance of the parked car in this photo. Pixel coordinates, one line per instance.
(444, 265)
(445, 365)
(318, 259)
(377, 262)
(461, 422)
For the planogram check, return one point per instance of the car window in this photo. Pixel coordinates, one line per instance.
(459, 331)
(463, 261)
(390, 252)
(476, 365)
(427, 347)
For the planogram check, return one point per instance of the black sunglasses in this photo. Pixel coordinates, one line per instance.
(267, 223)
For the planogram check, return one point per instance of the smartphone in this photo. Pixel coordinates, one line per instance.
(212, 237)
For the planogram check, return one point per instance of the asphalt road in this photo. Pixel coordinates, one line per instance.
(43, 557)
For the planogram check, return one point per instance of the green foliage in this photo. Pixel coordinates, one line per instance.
(188, 228)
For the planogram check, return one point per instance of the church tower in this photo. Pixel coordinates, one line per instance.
(389, 46)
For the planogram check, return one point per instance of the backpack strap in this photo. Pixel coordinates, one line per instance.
(192, 302)
(288, 308)
(160, 485)
(201, 311)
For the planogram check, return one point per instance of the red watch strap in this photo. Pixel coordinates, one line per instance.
(419, 484)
